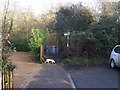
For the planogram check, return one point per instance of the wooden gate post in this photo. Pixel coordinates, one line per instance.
(41, 53)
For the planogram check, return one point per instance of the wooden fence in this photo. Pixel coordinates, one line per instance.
(7, 79)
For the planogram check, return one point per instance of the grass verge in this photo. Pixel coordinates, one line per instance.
(84, 61)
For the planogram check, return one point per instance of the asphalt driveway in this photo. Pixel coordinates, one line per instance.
(51, 76)
(96, 77)
(29, 74)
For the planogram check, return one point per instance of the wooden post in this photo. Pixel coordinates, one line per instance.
(41, 53)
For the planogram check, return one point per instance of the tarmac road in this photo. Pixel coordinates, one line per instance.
(51, 76)
(29, 74)
(54, 76)
(96, 77)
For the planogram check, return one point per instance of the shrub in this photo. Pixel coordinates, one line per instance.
(37, 40)
(19, 41)
(84, 61)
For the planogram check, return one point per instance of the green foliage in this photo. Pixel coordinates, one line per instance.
(84, 61)
(21, 28)
(5, 64)
(19, 41)
(99, 39)
(35, 52)
(105, 34)
(73, 18)
(11, 25)
(88, 37)
(37, 40)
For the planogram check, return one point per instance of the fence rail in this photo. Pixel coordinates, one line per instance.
(7, 79)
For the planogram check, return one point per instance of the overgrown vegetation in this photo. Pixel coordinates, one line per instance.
(24, 22)
(7, 47)
(6, 66)
(84, 61)
(20, 42)
(91, 33)
(89, 37)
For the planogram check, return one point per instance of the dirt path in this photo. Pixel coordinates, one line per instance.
(25, 68)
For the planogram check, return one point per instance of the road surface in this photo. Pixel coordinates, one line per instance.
(29, 74)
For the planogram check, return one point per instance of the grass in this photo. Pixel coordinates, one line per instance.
(84, 61)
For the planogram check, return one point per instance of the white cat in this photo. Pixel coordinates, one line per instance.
(50, 61)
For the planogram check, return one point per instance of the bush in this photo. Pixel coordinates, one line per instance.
(84, 61)
(35, 52)
(19, 41)
(37, 40)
